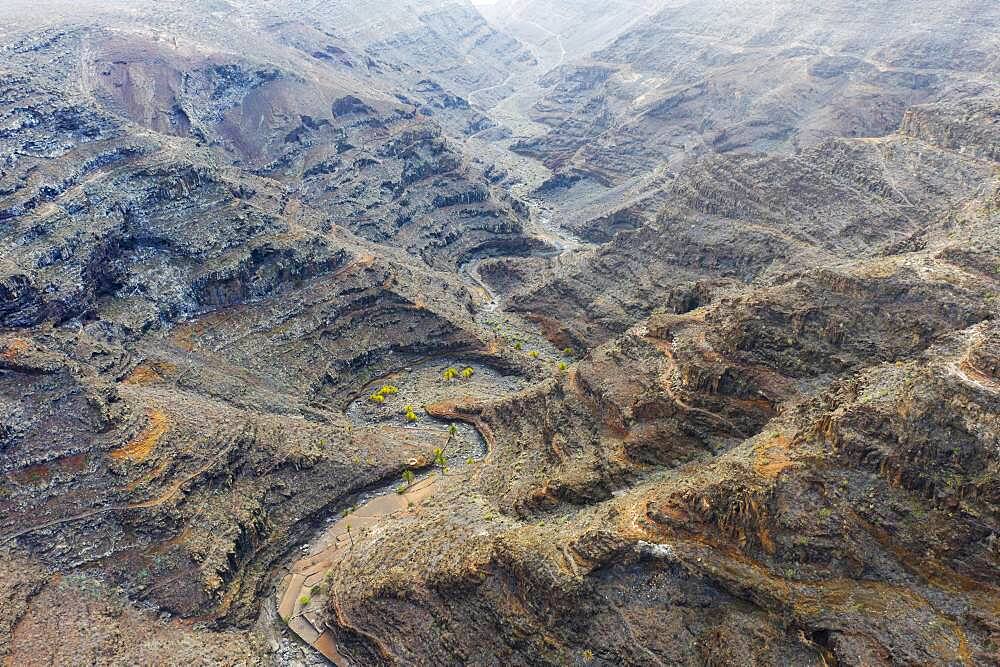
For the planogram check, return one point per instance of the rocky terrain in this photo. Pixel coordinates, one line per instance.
(521, 333)
(764, 76)
(800, 471)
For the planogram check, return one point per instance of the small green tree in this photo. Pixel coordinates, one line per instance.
(411, 416)
(568, 352)
(408, 477)
(467, 373)
(449, 374)
(304, 600)
(439, 459)
(533, 354)
(562, 366)
(517, 345)
(377, 398)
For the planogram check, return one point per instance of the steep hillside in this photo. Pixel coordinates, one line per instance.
(751, 218)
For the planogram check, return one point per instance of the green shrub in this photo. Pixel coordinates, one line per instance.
(439, 459)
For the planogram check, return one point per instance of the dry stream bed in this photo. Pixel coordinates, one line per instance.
(300, 595)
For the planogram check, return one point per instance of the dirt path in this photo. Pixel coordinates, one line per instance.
(969, 375)
(668, 382)
(302, 596)
(176, 487)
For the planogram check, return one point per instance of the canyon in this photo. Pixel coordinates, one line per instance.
(527, 332)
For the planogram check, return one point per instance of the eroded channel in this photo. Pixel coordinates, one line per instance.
(300, 599)
(398, 404)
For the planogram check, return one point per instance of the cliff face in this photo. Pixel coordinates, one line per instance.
(303, 353)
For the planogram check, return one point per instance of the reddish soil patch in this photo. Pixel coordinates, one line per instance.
(139, 449)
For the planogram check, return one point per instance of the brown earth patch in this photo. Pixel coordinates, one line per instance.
(771, 457)
(14, 348)
(148, 373)
(139, 449)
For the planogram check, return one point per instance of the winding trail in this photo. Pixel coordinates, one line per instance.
(668, 383)
(973, 378)
(471, 95)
